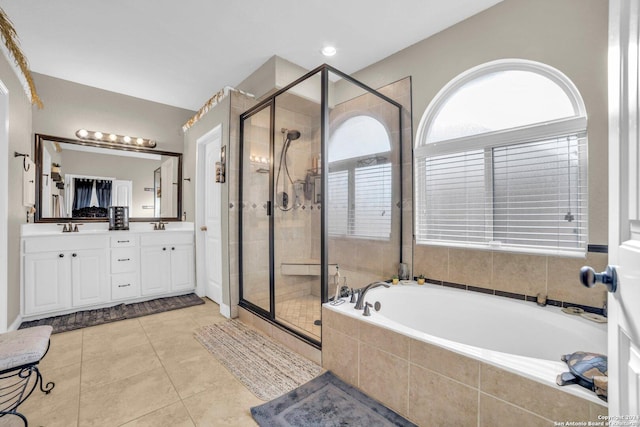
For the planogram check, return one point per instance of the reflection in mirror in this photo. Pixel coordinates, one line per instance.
(78, 180)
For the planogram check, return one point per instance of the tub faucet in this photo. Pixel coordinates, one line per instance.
(360, 303)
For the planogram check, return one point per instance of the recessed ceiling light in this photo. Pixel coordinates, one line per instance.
(328, 51)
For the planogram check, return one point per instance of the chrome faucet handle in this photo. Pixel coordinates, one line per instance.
(155, 225)
(367, 309)
(75, 228)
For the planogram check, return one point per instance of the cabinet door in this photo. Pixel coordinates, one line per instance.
(155, 269)
(47, 282)
(89, 276)
(182, 267)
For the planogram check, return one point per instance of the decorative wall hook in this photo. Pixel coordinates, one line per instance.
(24, 160)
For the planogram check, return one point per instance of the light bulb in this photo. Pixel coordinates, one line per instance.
(126, 139)
(98, 135)
(329, 51)
(113, 137)
(82, 133)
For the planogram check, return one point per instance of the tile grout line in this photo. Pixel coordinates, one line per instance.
(80, 377)
(164, 368)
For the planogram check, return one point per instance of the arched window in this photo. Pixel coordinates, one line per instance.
(359, 196)
(501, 162)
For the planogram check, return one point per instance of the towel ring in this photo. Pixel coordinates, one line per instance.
(24, 160)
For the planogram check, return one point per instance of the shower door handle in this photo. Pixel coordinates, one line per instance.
(268, 207)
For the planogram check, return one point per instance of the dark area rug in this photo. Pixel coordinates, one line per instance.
(326, 401)
(83, 319)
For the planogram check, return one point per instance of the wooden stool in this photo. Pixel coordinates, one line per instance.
(20, 353)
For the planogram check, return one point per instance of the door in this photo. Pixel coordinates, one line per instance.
(167, 191)
(209, 217)
(122, 193)
(181, 267)
(88, 277)
(155, 269)
(624, 208)
(47, 282)
(213, 221)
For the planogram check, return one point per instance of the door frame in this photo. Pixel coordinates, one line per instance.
(201, 273)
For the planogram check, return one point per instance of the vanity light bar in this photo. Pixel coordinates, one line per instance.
(112, 138)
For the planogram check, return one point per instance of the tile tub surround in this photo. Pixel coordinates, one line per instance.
(555, 277)
(433, 386)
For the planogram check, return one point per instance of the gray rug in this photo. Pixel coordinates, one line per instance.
(323, 402)
(83, 319)
(267, 368)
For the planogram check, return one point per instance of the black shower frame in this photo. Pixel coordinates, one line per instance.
(269, 102)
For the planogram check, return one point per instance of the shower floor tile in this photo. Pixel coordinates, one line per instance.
(301, 313)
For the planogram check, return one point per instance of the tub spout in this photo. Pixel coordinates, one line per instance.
(363, 292)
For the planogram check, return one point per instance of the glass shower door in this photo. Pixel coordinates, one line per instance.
(297, 209)
(256, 204)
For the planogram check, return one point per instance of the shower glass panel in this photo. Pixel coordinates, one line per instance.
(255, 249)
(321, 197)
(297, 210)
(363, 185)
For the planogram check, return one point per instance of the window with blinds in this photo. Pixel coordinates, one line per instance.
(522, 188)
(360, 181)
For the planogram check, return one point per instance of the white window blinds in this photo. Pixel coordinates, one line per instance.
(528, 196)
(359, 201)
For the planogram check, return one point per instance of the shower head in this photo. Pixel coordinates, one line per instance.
(292, 134)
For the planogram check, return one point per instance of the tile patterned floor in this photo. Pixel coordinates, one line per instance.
(148, 371)
(300, 313)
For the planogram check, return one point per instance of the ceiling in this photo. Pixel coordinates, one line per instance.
(181, 52)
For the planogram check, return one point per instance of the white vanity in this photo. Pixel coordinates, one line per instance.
(95, 267)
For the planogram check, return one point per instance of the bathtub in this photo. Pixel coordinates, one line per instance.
(515, 336)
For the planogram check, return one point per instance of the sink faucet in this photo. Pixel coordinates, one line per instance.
(363, 292)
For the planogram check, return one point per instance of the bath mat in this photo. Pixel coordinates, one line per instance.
(326, 401)
(83, 319)
(267, 368)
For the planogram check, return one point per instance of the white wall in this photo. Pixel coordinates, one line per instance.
(20, 117)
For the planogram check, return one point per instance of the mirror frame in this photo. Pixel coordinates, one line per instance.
(39, 138)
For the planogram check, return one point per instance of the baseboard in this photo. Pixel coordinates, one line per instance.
(225, 310)
(16, 324)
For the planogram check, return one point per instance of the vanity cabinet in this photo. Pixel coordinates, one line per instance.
(60, 274)
(166, 263)
(63, 273)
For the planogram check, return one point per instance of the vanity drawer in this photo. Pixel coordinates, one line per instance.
(124, 260)
(124, 241)
(124, 285)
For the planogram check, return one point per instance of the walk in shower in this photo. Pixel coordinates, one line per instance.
(320, 191)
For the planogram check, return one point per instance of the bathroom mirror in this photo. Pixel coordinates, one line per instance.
(77, 181)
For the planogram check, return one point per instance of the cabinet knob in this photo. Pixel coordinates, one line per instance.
(164, 249)
(173, 249)
(74, 255)
(61, 255)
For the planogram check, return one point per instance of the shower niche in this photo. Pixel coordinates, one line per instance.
(320, 191)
